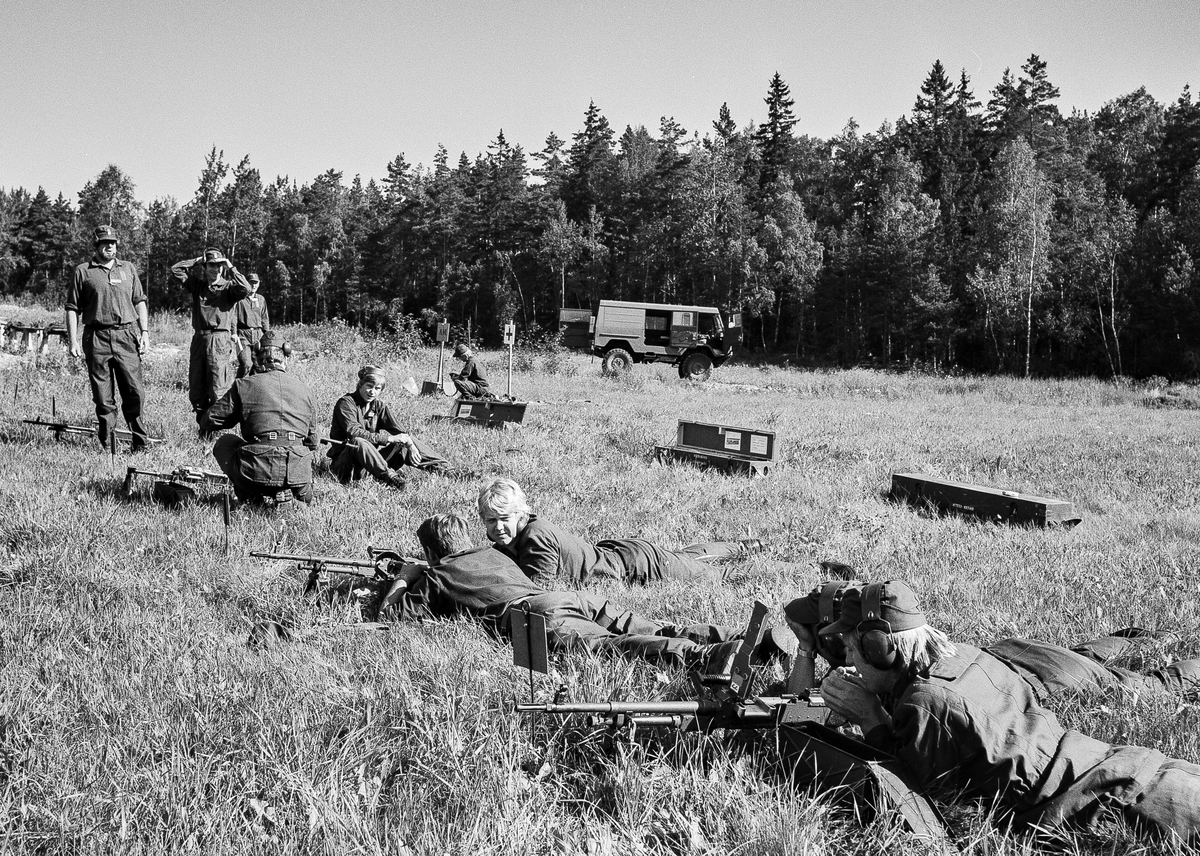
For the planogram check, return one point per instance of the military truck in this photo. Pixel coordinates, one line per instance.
(621, 333)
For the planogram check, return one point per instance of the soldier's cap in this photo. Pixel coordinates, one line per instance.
(252, 278)
(462, 350)
(214, 257)
(367, 373)
(269, 351)
(897, 606)
(104, 233)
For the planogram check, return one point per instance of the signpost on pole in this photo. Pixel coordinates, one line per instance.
(443, 336)
(510, 336)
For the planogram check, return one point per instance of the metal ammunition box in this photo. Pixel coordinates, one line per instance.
(729, 449)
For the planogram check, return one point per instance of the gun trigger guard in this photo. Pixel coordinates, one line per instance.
(560, 693)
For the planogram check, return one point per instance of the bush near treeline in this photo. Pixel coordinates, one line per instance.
(997, 237)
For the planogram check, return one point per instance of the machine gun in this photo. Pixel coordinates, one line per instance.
(814, 754)
(177, 486)
(382, 566)
(58, 429)
(726, 702)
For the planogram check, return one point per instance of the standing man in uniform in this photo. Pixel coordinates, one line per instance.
(107, 292)
(253, 322)
(278, 416)
(216, 286)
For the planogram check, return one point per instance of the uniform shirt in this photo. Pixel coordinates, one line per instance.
(470, 371)
(271, 400)
(252, 313)
(972, 728)
(212, 305)
(354, 419)
(479, 582)
(105, 296)
(546, 552)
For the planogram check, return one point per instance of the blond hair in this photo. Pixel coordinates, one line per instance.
(918, 649)
(503, 496)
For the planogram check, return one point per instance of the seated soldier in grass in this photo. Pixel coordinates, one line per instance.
(549, 555)
(463, 579)
(970, 727)
(372, 441)
(470, 382)
(1049, 669)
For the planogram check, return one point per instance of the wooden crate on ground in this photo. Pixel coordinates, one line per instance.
(723, 447)
(989, 503)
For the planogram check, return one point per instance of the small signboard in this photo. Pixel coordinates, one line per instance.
(530, 648)
(510, 333)
(443, 331)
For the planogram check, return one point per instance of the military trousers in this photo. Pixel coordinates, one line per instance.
(250, 337)
(360, 457)
(114, 364)
(210, 373)
(582, 621)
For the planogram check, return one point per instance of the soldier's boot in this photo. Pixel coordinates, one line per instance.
(396, 479)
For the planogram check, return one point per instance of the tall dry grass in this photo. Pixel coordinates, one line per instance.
(134, 719)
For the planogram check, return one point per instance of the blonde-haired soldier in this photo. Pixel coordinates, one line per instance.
(549, 555)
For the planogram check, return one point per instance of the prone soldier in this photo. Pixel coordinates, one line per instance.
(484, 583)
(548, 554)
(970, 727)
(107, 294)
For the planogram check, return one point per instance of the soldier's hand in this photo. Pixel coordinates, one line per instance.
(143, 342)
(414, 454)
(74, 350)
(846, 694)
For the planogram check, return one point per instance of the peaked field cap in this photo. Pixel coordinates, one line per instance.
(897, 606)
(461, 349)
(252, 278)
(104, 233)
(214, 257)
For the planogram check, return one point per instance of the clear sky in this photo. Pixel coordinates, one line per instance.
(305, 86)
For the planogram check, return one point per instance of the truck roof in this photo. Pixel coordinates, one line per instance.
(674, 307)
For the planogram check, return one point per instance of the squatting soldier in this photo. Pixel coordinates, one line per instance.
(549, 555)
(470, 382)
(216, 286)
(372, 440)
(253, 321)
(278, 417)
(484, 583)
(970, 727)
(107, 293)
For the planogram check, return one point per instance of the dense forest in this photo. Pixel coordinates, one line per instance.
(999, 237)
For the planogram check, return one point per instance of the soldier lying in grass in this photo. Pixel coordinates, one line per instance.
(549, 555)
(463, 579)
(971, 727)
(372, 441)
(1049, 669)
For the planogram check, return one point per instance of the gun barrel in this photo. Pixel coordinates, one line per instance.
(651, 708)
(314, 560)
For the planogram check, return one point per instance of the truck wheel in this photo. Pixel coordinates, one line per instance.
(616, 362)
(696, 367)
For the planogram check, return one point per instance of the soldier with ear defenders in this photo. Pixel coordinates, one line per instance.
(969, 727)
(1050, 669)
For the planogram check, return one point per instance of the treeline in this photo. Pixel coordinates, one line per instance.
(997, 237)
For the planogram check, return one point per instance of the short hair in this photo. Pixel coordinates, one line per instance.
(503, 496)
(444, 534)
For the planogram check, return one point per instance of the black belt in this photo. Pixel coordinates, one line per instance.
(210, 330)
(107, 326)
(279, 438)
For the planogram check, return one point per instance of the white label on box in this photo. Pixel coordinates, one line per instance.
(758, 444)
(733, 440)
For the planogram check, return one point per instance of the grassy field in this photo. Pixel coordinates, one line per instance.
(135, 719)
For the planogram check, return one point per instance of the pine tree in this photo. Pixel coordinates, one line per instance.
(774, 137)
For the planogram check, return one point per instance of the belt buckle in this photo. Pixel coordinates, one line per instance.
(271, 435)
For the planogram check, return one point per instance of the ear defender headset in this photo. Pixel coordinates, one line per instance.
(874, 633)
(829, 609)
